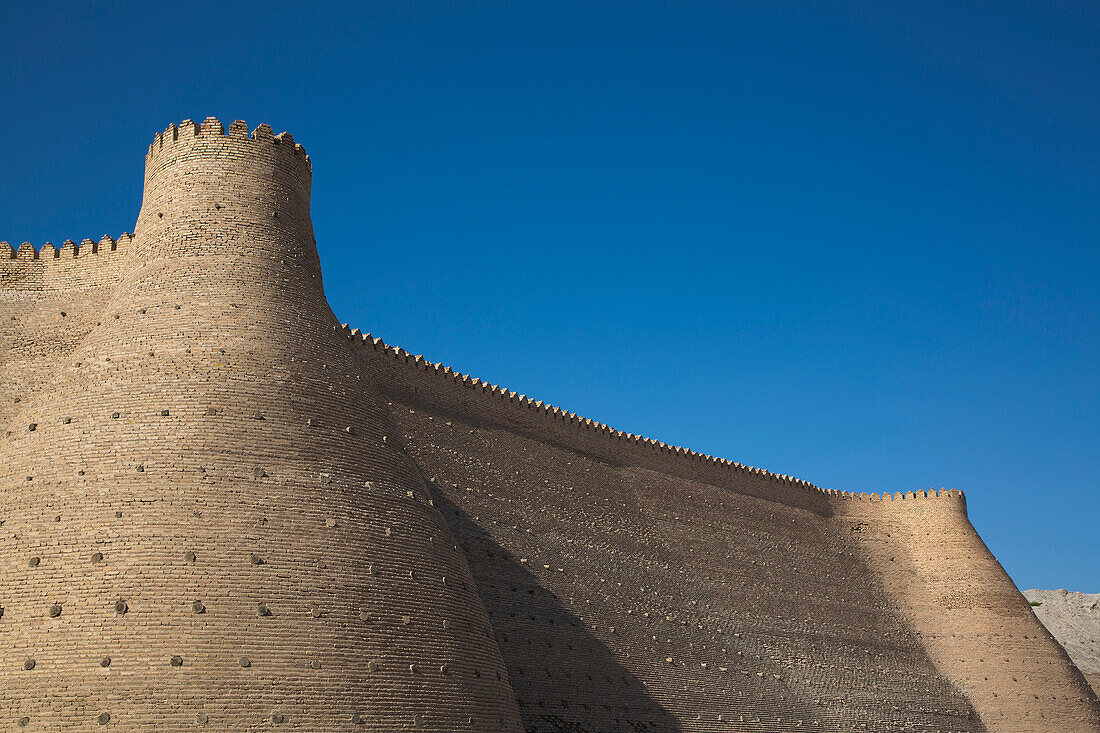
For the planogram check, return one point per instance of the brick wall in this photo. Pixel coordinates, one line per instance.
(893, 612)
(975, 625)
(219, 508)
(207, 515)
(49, 301)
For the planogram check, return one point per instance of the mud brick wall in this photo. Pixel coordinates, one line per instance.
(976, 626)
(625, 599)
(221, 509)
(49, 300)
(882, 603)
(206, 519)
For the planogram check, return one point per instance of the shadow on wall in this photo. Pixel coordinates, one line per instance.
(566, 680)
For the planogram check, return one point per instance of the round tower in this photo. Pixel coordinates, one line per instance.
(208, 518)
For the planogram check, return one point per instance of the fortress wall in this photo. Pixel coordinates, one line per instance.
(628, 599)
(977, 627)
(49, 300)
(219, 507)
(206, 517)
(888, 599)
(638, 587)
(399, 372)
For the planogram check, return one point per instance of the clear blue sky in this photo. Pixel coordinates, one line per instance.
(854, 242)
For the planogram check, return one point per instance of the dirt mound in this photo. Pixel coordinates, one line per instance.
(1074, 619)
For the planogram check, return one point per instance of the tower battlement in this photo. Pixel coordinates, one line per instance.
(261, 141)
(210, 189)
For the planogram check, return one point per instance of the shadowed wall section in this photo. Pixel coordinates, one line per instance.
(764, 577)
(723, 612)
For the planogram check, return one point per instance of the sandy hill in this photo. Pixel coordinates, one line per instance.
(1074, 619)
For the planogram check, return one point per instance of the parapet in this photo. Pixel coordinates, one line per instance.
(176, 140)
(523, 404)
(69, 250)
(72, 265)
(893, 504)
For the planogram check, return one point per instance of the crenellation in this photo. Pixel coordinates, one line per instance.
(238, 129)
(69, 250)
(211, 126)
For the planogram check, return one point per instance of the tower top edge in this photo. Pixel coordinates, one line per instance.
(211, 127)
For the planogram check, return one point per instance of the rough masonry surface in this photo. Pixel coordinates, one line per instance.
(222, 509)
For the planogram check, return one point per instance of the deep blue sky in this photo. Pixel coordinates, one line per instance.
(854, 242)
